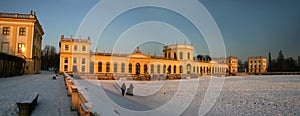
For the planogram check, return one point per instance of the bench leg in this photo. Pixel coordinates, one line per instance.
(24, 109)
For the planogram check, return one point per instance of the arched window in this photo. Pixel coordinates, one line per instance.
(123, 67)
(164, 69)
(145, 69)
(201, 71)
(107, 67)
(169, 69)
(137, 68)
(158, 69)
(188, 69)
(197, 69)
(99, 66)
(180, 55)
(174, 69)
(188, 55)
(115, 67)
(152, 68)
(175, 56)
(194, 69)
(130, 68)
(180, 69)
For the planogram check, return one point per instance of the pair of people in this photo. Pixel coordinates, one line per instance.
(129, 90)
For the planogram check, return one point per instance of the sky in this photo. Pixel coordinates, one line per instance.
(248, 27)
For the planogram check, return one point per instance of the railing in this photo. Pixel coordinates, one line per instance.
(11, 65)
(15, 15)
(78, 100)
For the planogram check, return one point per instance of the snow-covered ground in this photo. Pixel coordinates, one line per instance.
(52, 101)
(250, 95)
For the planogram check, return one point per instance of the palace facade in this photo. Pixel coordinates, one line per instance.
(257, 65)
(21, 35)
(176, 60)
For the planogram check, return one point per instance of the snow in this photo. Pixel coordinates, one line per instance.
(250, 95)
(52, 99)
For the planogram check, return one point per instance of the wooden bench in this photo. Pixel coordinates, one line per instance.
(27, 105)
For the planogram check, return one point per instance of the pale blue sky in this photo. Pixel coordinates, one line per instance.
(249, 27)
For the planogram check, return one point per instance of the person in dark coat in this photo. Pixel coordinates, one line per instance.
(123, 89)
(130, 90)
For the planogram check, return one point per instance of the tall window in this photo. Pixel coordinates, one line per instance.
(123, 68)
(180, 69)
(99, 66)
(75, 48)
(66, 60)
(180, 55)
(152, 68)
(169, 69)
(194, 69)
(22, 31)
(158, 69)
(145, 68)
(115, 67)
(5, 47)
(201, 71)
(164, 69)
(175, 55)
(107, 67)
(83, 61)
(83, 48)
(5, 30)
(137, 68)
(21, 47)
(188, 55)
(83, 68)
(74, 60)
(174, 69)
(130, 68)
(65, 67)
(66, 47)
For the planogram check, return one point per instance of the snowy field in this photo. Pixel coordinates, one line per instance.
(250, 95)
(52, 101)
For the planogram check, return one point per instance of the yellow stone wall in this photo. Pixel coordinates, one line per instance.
(103, 63)
(257, 65)
(77, 59)
(32, 39)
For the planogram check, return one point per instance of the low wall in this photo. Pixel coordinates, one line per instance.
(78, 100)
(281, 73)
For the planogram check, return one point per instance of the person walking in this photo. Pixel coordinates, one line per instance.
(123, 88)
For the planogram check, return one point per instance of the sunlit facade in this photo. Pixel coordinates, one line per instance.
(21, 35)
(175, 60)
(257, 65)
